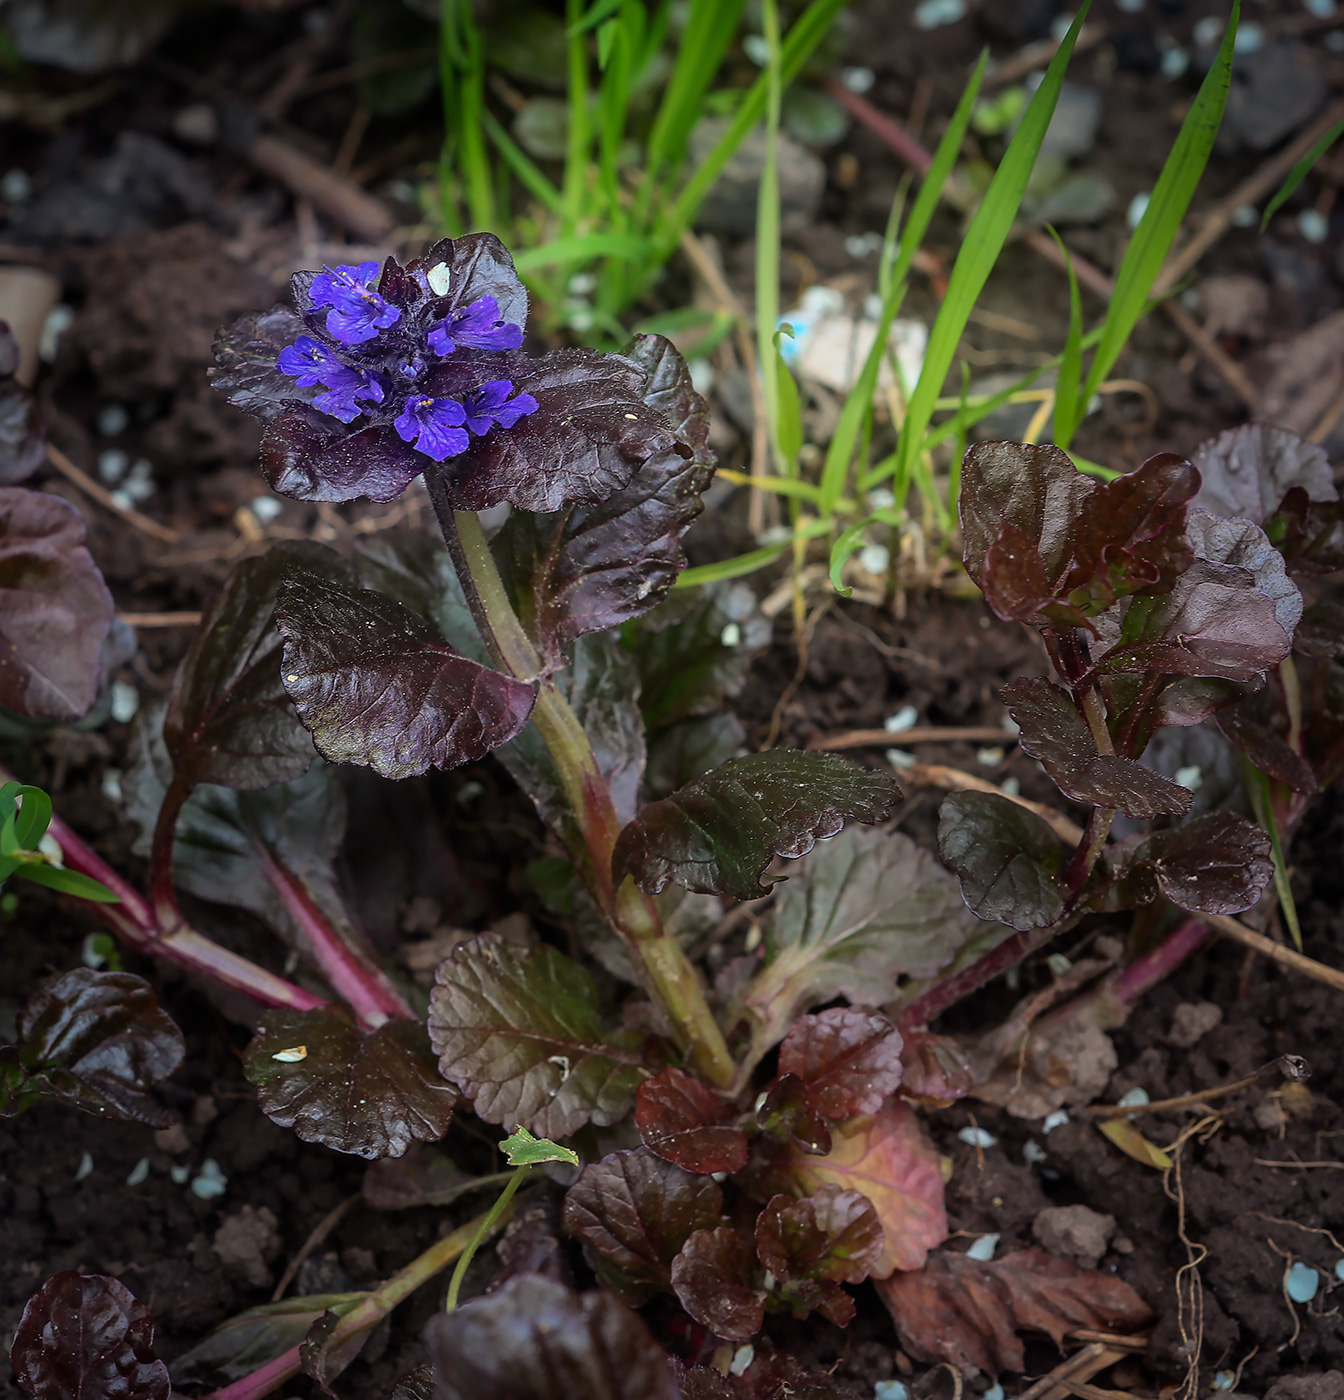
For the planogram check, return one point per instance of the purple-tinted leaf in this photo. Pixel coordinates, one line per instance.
(833, 1234)
(242, 1343)
(1036, 491)
(1309, 534)
(886, 1159)
(634, 1211)
(863, 911)
(1054, 732)
(518, 1031)
(1245, 545)
(99, 1041)
(55, 610)
(87, 1337)
(1247, 471)
(590, 567)
(535, 1340)
(849, 1058)
(369, 1093)
(695, 650)
(934, 1069)
(229, 720)
(415, 1385)
(686, 1122)
(1256, 726)
(424, 1176)
(310, 456)
(717, 1281)
(378, 686)
(1321, 631)
(719, 833)
(703, 1383)
(1014, 580)
(477, 265)
(590, 434)
(1006, 858)
(417, 571)
(690, 748)
(324, 1359)
(22, 439)
(786, 1111)
(245, 356)
(1216, 864)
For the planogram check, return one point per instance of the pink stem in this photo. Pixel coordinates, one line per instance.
(882, 126)
(1158, 963)
(371, 994)
(136, 923)
(264, 1379)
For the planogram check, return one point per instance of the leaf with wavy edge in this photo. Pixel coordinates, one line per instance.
(1005, 857)
(686, 1122)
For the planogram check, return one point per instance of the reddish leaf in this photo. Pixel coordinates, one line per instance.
(833, 1234)
(1014, 579)
(55, 610)
(377, 685)
(634, 1211)
(716, 1278)
(887, 1159)
(935, 1070)
(849, 1058)
(966, 1313)
(1217, 864)
(535, 1340)
(718, 834)
(22, 439)
(1054, 732)
(1005, 857)
(1250, 726)
(1309, 534)
(371, 1093)
(786, 1111)
(1247, 471)
(87, 1338)
(686, 1122)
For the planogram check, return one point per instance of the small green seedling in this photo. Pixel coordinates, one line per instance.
(25, 814)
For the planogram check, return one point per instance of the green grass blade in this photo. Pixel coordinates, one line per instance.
(583, 248)
(1257, 784)
(835, 470)
(731, 568)
(1162, 219)
(767, 244)
(603, 9)
(529, 174)
(1299, 172)
(576, 185)
(71, 882)
(1068, 411)
(980, 250)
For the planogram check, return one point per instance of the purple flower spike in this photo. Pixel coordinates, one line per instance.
(435, 426)
(309, 362)
(488, 406)
(478, 325)
(346, 386)
(357, 312)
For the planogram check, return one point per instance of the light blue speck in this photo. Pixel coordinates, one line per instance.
(1301, 1282)
(977, 1137)
(995, 1392)
(1033, 1154)
(139, 1172)
(1224, 1380)
(890, 1390)
(1339, 1270)
(1054, 1120)
(85, 1167)
(210, 1182)
(1133, 1098)
(983, 1248)
(933, 14)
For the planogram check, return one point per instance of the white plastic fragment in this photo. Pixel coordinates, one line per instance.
(933, 14)
(440, 279)
(901, 758)
(125, 702)
(1138, 207)
(731, 636)
(85, 1167)
(903, 719)
(1054, 1120)
(265, 508)
(742, 1358)
(179, 1172)
(1191, 777)
(210, 1182)
(977, 1137)
(1300, 1282)
(1132, 1098)
(1033, 1154)
(1313, 226)
(891, 1390)
(858, 80)
(874, 559)
(139, 1172)
(113, 419)
(983, 1249)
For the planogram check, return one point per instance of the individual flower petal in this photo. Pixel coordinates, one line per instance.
(491, 405)
(478, 325)
(435, 426)
(309, 362)
(357, 312)
(346, 387)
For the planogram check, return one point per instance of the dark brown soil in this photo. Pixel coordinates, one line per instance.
(451, 849)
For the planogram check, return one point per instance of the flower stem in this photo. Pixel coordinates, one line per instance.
(364, 1315)
(486, 1223)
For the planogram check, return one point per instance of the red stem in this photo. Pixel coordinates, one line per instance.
(1158, 963)
(362, 983)
(162, 893)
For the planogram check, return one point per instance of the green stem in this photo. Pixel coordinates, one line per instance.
(487, 1223)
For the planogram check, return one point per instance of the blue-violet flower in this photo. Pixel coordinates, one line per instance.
(478, 325)
(491, 404)
(434, 425)
(357, 312)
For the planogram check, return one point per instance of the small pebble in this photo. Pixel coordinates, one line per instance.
(891, 1390)
(58, 321)
(901, 758)
(1054, 1120)
(125, 702)
(731, 636)
(15, 186)
(1320, 9)
(1058, 964)
(1175, 63)
(112, 465)
(1033, 1154)
(858, 80)
(1339, 1270)
(1245, 216)
(1132, 1098)
(933, 14)
(903, 719)
(179, 1172)
(977, 1137)
(1224, 1380)
(1138, 207)
(85, 1167)
(995, 1392)
(742, 1358)
(1207, 32)
(989, 758)
(1300, 1282)
(874, 559)
(880, 498)
(1010, 787)
(210, 1183)
(702, 375)
(265, 508)
(1313, 226)
(112, 419)
(1191, 777)
(983, 1249)
(139, 1172)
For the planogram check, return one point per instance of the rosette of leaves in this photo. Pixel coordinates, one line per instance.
(1154, 612)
